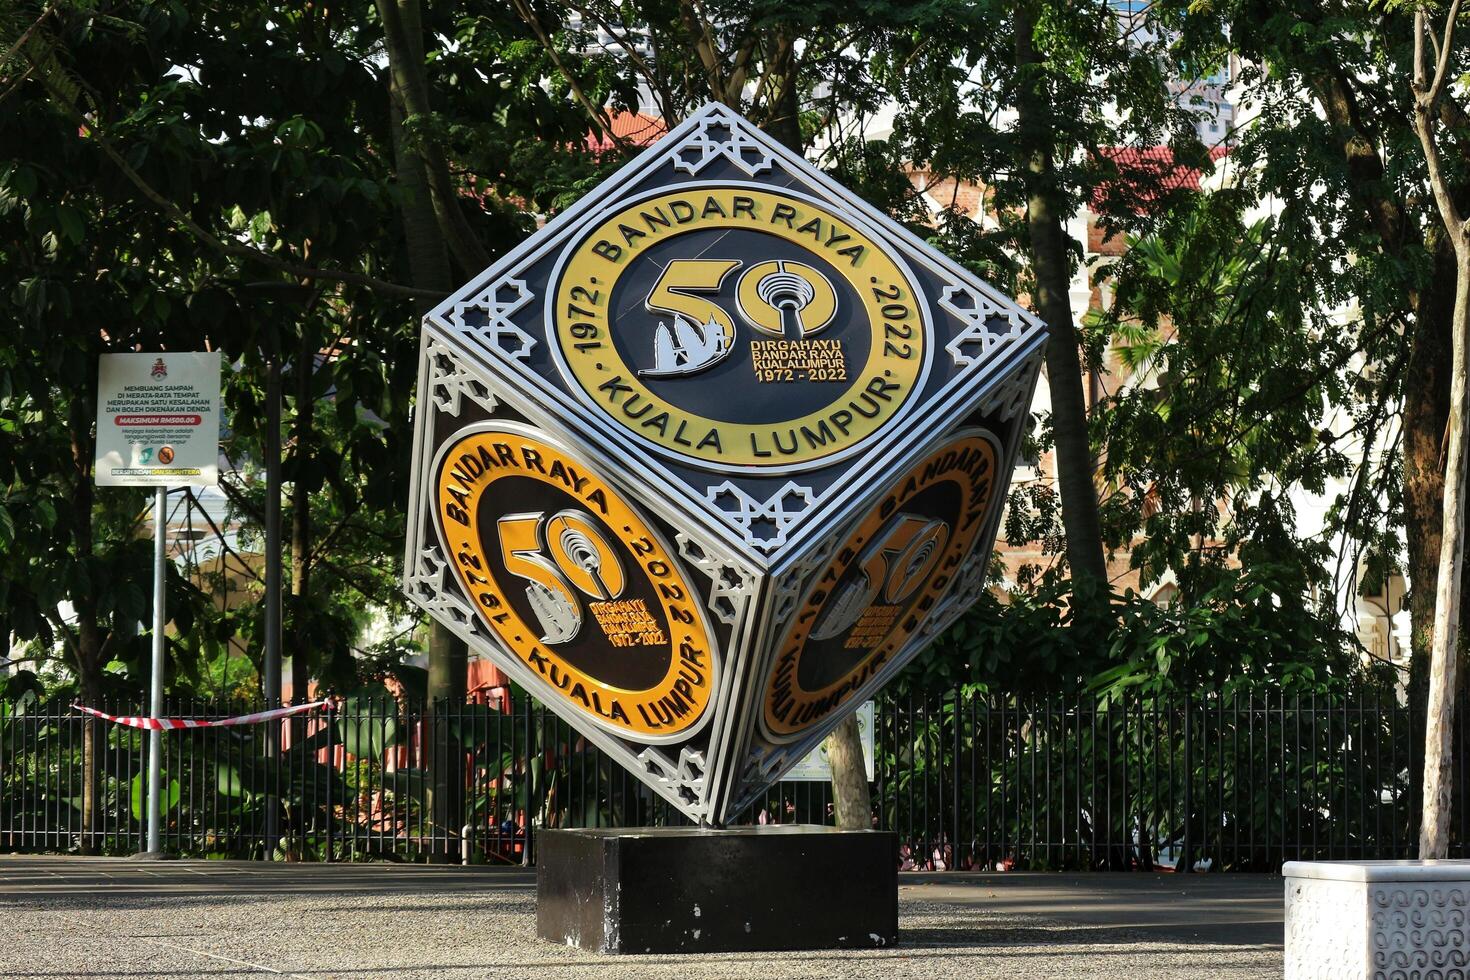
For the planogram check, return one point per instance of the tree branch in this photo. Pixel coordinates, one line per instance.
(26, 35)
(1446, 48)
(1424, 117)
(406, 73)
(324, 545)
(758, 95)
(225, 549)
(656, 85)
(703, 43)
(1366, 177)
(177, 215)
(740, 68)
(598, 121)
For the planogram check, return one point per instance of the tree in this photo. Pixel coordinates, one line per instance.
(1332, 143)
(1047, 203)
(105, 260)
(77, 255)
(434, 226)
(1225, 406)
(1032, 104)
(1335, 142)
(1430, 87)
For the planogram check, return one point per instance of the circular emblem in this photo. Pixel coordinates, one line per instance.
(739, 327)
(166, 454)
(573, 582)
(881, 584)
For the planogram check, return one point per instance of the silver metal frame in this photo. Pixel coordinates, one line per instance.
(780, 755)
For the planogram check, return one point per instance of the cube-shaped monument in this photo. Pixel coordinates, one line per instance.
(711, 456)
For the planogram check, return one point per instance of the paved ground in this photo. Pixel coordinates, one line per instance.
(99, 917)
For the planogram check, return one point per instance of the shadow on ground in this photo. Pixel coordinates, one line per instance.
(77, 917)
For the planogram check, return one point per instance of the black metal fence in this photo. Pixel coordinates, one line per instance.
(1235, 781)
(1221, 781)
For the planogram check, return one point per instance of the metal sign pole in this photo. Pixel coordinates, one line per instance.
(158, 422)
(155, 705)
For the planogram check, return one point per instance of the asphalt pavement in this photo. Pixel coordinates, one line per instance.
(105, 917)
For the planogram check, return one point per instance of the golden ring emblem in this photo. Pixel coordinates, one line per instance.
(881, 584)
(568, 577)
(775, 293)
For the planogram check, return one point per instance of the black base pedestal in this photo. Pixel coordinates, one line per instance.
(686, 890)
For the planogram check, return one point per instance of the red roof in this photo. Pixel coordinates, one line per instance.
(631, 128)
(1148, 174)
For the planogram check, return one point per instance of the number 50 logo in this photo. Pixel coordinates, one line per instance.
(779, 297)
(895, 564)
(563, 558)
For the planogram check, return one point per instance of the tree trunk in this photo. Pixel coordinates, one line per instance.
(89, 635)
(783, 119)
(403, 37)
(299, 636)
(1426, 393)
(94, 745)
(448, 667)
(301, 527)
(1434, 828)
(1430, 89)
(1426, 416)
(850, 797)
(428, 259)
(1053, 277)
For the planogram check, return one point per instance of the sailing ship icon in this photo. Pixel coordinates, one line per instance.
(686, 347)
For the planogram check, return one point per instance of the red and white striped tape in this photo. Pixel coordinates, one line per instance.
(170, 724)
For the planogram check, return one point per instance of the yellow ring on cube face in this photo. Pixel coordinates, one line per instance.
(553, 529)
(880, 586)
(890, 315)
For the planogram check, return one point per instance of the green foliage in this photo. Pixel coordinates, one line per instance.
(162, 162)
(137, 791)
(368, 723)
(1256, 627)
(1232, 376)
(247, 126)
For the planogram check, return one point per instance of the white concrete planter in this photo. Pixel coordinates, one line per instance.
(1396, 920)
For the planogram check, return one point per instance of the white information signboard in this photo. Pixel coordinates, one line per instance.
(158, 418)
(814, 766)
